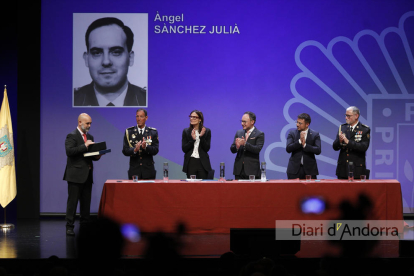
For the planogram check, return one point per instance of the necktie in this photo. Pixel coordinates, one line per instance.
(84, 137)
(247, 135)
(110, 104)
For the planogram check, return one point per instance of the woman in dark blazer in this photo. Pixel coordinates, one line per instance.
(195, 145)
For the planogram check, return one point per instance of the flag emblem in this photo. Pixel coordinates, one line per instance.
(5, 146)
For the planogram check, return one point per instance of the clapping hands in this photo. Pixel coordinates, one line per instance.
(343, 139)
(302, 137)
(240, 142)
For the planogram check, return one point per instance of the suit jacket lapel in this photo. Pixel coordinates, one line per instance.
(253, 134)
(348, 132)
(139, 136)
(79, 137)
(355, 130)
(241, 133)
(297, 137)
(90, 97)
(144, 132)
(309, 136)
(130, 98)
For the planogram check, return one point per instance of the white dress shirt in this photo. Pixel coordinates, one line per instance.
(353, 127)
(140, 130)
(119, 101)
(306, 136)
(196, 145)
(250, 131)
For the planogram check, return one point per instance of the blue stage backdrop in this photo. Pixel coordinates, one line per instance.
(274, 58)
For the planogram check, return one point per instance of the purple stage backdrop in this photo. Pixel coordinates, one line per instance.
(275, 58)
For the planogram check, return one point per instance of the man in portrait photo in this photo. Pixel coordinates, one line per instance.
(108, 57)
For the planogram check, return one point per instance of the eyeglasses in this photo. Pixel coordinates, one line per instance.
(243, 122)
(299, 123)
(349, 116)
(193, 117)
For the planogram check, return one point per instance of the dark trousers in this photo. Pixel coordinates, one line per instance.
(139, 172)
(81, 192)
(301, 174)
(196, 168)
(243, 175)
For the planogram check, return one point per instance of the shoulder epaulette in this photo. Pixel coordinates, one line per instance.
(131, 127)
(344, 124)
(365, 125)
(153, 128)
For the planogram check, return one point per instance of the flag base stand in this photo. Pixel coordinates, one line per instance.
(7, 225)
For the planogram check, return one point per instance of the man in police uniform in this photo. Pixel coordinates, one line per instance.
(353, 141)
(141, 144)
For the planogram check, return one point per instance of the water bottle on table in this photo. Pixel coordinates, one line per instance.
(263, 170)
(222, 167)
(350, 171)
(165, 171)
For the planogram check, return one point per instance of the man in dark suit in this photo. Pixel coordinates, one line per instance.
(79, 172)
(352, 140)
(109, 54)
(247, 143)
(303, 143)
(141, 144)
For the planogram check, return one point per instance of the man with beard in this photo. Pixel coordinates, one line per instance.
(303, 143)
(79, 172)
(247, 144)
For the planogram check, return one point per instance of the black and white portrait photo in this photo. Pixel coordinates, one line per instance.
(110, 60)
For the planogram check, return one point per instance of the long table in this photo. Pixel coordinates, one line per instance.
(215, 207)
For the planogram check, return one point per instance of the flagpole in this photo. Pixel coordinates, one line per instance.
(7, 171)
(6, 225)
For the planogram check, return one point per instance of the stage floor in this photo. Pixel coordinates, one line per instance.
(42, 238)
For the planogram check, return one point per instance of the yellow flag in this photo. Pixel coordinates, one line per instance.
(7, 169)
